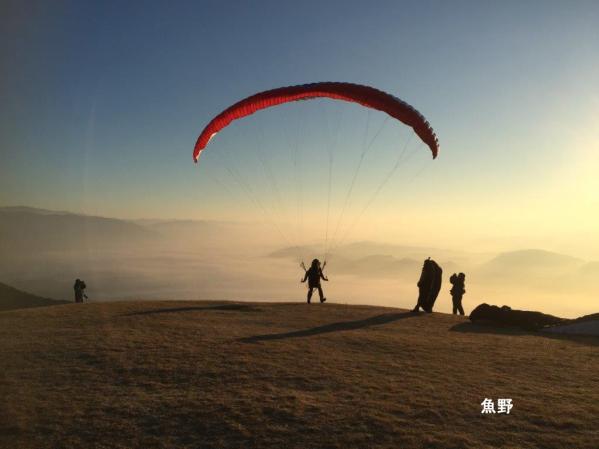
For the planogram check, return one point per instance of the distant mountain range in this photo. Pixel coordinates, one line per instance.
(525, 259)
(25, 230)
(43, 251)
(379, 259)
(28, 231)
(590, 269)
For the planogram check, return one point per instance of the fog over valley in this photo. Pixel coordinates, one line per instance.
(42, 252)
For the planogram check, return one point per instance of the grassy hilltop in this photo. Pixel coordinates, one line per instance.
(241, 375)
(13, 299)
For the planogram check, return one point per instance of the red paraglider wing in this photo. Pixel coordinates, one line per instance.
(355, 93)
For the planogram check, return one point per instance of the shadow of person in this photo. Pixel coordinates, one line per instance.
(223, 307)
(468, 327)
(333, 327)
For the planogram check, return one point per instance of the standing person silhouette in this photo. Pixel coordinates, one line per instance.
(313, 276)
(457, 291)
(79, 288)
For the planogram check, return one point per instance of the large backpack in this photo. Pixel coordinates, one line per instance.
(434, 278)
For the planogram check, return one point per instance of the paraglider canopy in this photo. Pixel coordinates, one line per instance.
(356, 93)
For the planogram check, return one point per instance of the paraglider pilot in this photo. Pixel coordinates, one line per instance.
(313, 276)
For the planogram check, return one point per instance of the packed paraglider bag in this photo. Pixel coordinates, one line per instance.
(429, 285)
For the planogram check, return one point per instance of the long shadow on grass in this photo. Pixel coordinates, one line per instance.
(225, 307)
(333, 327)
(474, 328)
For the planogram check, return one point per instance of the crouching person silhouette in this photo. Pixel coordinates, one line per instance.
(313, 276)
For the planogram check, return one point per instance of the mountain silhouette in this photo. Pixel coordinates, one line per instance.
(12, 299)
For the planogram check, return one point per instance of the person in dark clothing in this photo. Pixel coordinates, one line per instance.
(313, 276)
(429, 286)
(79, 288)
(458, 282)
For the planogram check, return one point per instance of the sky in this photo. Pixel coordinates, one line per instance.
(102, 103)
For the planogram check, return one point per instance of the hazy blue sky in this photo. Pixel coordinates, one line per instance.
(102, 101)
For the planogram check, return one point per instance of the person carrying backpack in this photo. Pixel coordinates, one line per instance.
(458, 282)
(79, 289)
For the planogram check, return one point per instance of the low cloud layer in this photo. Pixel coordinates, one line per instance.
(44, 251)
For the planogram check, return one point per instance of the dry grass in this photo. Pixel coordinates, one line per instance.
(199, 375)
